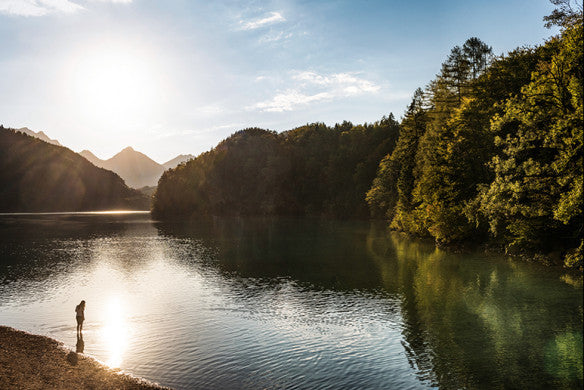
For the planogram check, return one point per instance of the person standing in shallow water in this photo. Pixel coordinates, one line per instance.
(80, 315)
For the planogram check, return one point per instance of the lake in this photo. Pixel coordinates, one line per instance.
(232, 303)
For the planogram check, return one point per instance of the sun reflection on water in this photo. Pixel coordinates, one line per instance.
(115, 332)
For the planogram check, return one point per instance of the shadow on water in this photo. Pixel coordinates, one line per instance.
(321, 254)
(80, 346)
(72, 357)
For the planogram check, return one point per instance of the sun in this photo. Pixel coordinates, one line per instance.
(114, 83)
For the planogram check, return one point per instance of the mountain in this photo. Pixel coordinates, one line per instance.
(37, 176)
(177, 160)
(40, 135)
(137, 169)
(92, 158)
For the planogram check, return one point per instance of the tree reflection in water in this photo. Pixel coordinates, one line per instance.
(473, 320)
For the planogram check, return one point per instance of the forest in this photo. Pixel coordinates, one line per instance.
(311, 170)
(36, 176)
(489, 151)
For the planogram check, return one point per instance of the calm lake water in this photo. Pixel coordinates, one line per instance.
(289, 303)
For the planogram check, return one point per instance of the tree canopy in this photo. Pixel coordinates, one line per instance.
(492, 149)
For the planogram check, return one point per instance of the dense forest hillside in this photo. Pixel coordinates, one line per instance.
(492, 149)
(37, 176)
(489, 151)
(311, 170)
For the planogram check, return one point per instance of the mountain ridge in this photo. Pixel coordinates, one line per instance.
(39, 176)
(40, 135)
(136, 168)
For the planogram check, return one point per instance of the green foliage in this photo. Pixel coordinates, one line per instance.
(493, 149)
(390, 193)
(36, 176)
(535, 199)
(440, 156)
(311, 170)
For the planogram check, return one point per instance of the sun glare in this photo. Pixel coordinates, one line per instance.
(113, 84)
(115, 333)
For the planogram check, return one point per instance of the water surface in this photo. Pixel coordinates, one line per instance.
(288, 303)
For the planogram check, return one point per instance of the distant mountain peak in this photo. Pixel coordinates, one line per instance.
(87, 152)
(40, 135)
(92, 158)
(177, 160)
(137, 169)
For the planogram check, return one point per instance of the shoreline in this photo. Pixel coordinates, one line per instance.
(38, 362)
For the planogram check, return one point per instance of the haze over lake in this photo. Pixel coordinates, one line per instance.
(288, 303)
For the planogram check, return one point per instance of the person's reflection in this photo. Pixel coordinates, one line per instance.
(80, 343)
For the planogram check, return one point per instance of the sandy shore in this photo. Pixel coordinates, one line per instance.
(29, 361)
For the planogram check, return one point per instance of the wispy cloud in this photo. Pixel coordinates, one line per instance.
(44, 7)
(271, 38)
(268, 19)
(314, 87)
(210, 109)
(345, 83)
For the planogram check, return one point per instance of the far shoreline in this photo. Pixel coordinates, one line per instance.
(101, 212)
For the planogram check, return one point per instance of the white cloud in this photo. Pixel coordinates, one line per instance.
(289, 100)
(37, 7)
(43, 7)
(314, 88)
(346, 83)
(271, 18)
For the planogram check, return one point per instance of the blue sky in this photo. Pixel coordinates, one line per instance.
(178, 76)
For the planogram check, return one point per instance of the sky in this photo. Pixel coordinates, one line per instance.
(178, 76)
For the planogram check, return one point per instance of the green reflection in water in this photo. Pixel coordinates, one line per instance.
(480, 321)
(563, 356)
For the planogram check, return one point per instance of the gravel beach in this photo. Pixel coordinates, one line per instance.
(29, 361)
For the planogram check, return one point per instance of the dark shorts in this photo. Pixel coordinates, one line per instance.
(80, 320)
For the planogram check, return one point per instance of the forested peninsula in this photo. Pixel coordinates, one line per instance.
(36, 176)
(489, 151)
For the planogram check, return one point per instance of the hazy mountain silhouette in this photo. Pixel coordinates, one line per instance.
(137, 169)
(40, 135)
(92, 158)
(38, 176)
(177, 160)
